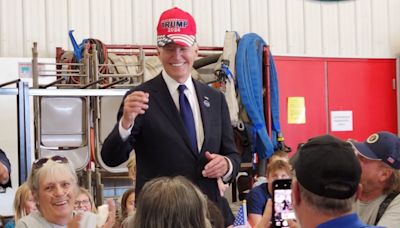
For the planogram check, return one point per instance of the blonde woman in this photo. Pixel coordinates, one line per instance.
(24, 204)
(84, 201)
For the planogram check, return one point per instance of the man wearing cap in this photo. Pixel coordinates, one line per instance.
(379, 202)
(326, 184)
(176, 125)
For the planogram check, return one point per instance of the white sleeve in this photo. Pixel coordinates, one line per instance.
(124, 133)
(228, 175)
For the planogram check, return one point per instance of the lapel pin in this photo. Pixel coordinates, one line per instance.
(206, 98)
(206, 103)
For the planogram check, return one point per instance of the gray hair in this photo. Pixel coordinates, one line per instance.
(392, 184)
(327, 206)
(171, 202)
(51, 169)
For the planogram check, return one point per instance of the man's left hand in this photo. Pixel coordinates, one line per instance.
(216, 167)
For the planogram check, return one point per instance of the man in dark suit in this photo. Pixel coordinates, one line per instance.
(5, 169)
(152, 118)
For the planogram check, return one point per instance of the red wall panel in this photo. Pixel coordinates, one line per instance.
(363, 86)
(301, 77)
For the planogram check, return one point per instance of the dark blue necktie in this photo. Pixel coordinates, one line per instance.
(187, 116)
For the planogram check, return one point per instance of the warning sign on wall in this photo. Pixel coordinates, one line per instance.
(296, 110)
(341, 120)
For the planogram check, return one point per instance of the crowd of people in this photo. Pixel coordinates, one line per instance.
(52, 198)
(338, 183)
(185, 156)
(335, 183)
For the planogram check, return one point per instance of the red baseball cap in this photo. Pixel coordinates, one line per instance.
(176, 26)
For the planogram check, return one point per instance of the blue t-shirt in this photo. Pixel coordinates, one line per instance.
(257, 199)
(348, 221)
(10, 224)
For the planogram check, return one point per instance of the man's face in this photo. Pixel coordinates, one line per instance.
(56, 197)
(371, 176)
(178, 60)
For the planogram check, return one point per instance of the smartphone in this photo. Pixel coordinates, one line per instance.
(282, 203)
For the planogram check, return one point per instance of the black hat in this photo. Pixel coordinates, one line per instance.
(328, 167)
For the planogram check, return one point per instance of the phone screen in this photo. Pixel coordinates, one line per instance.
(283, 207)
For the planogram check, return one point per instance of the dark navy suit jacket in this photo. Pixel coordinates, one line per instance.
(4, 160)
(162, 145)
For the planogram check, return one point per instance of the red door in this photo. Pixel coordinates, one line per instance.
(302, 77)
(363, 86)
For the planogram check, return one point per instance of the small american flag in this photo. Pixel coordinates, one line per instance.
(241, 217)
(390, 160)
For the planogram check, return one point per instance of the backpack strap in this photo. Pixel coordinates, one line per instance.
(384, 205)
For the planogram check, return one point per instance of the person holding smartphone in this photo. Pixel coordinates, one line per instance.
(258, 196)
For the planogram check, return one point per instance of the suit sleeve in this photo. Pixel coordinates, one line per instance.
(4, 160)
(114, 150)
(228, 147)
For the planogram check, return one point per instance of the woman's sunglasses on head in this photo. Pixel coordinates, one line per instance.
(41, 161)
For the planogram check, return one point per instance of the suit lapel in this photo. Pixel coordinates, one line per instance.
(167, 106)
(205, 110)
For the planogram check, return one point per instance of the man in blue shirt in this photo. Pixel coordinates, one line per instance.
(326, 184)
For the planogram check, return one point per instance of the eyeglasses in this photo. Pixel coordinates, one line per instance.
(41, 161)
(81, 202)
